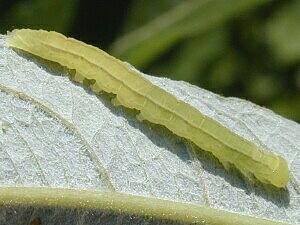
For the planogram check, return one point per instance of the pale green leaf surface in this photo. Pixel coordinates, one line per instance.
(55, 133)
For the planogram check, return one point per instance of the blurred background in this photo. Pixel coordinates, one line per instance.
(248, 49)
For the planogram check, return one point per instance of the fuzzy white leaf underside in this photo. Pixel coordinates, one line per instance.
(101, 147)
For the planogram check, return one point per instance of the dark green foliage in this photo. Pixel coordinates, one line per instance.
(46, 14)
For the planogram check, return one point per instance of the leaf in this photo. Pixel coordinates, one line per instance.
(59, 135)
(187, 19)
(141, 12)
(46, 14)
(285, 21)
(191, 59)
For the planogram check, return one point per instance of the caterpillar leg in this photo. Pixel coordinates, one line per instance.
(116, 102)
(225, 164)
(78, 77)
(72, 73)
(140, 117)
(96, 88)
(88, 82)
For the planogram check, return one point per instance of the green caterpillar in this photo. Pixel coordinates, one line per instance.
(103, 72)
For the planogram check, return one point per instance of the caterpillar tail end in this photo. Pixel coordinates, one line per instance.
(280, 177)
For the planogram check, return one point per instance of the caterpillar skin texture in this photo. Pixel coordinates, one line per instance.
(101, 71)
